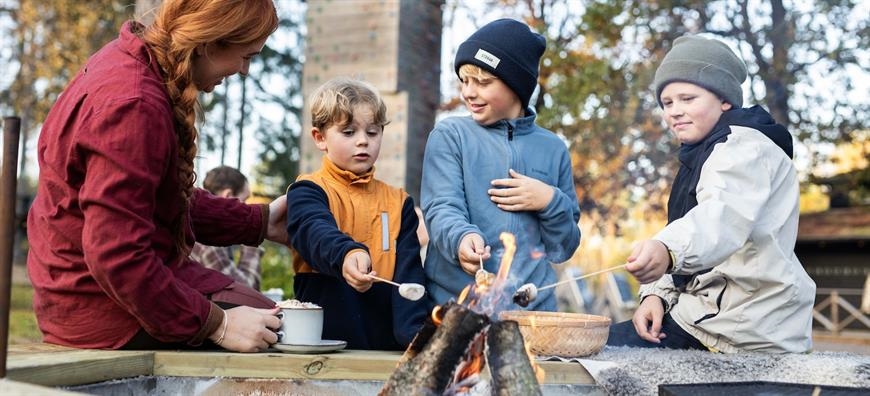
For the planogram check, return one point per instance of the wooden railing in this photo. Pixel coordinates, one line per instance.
(836, 321)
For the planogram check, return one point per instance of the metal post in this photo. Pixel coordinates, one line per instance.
(8, 187)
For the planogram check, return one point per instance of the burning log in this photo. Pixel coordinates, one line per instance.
(419, 342)
(508, 360)
(456, 344)
(431, 370)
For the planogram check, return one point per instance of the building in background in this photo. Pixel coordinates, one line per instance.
(396, 46)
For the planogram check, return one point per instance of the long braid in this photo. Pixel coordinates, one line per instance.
(179, 27)
(183, 93)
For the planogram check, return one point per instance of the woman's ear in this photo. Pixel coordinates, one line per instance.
(199, 50)
(726, 106)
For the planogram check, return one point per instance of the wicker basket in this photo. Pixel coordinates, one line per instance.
(560, 333)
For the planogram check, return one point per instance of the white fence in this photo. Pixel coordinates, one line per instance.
(835, 313)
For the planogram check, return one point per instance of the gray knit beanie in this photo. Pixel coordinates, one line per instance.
(704, 62)
(509, 50)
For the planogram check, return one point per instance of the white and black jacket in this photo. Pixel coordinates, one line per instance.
(739, 285)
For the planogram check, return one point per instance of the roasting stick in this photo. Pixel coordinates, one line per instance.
(584, 276)
(528, 292)
(410, 291)
(384, 280)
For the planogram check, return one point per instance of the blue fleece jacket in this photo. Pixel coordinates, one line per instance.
(461, 159)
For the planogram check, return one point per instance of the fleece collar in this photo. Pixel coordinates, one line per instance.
(345, 177)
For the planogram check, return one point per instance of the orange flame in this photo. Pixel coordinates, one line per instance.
(510, 247)
(473, 366)
(436, 315)
(540, 374)
(463, 295)
(473, 362)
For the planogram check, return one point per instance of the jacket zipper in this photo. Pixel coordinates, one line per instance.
(510, 132)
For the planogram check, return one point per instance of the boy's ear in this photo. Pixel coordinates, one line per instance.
(319, 139)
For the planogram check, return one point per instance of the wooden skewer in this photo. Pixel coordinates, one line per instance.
(583, 276)
(384, 280)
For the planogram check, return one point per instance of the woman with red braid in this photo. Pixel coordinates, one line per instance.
(116, 212)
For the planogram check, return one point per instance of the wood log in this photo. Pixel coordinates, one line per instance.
(508, 361)
(432, 369)
(419, 342)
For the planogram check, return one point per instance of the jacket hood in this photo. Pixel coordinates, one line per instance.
(756, 117)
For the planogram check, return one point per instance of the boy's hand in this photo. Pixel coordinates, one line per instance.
(472, 251)
(520, 193)
(357, 264)
(649, 261)
(648, 319)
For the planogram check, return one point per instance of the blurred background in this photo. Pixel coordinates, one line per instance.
(808, 60)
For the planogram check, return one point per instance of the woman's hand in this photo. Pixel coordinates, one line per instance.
(277, 227)
(647, 319)
(248, 329)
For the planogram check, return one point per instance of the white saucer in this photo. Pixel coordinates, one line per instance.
(322, 346)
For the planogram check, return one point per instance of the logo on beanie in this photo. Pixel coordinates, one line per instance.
(485, 57)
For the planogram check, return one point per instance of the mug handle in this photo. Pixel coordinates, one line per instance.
(280, 315)
(280, 335)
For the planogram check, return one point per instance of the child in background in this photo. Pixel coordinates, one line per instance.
(496, 171)
(228, 182)
(731, 279)
(345, 225)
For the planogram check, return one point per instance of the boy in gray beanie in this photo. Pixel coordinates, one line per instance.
(706, 63)
(496, 171)
(722, 275)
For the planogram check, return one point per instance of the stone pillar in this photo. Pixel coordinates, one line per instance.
(393, 44)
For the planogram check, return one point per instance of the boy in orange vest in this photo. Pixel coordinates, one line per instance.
(345, 224)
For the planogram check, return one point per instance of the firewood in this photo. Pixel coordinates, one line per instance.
(508, 361)
(431, 370)
(419, 342)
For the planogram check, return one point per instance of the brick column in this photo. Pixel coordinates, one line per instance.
(393, 44)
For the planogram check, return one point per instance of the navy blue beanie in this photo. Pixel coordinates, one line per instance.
(509, 50)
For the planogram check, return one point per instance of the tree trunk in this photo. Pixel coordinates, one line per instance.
(779, 79)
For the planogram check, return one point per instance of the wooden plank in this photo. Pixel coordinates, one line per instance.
(10, 387)
(17, 349)
(341, 365)
(52, 365)
(77, 366)
(565, 373)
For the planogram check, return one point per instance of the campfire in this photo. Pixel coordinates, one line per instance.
(461, 339)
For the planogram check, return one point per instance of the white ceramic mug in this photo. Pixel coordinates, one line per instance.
(300, 326)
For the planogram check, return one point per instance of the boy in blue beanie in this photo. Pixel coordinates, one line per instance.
(496, 171)
(722, 275)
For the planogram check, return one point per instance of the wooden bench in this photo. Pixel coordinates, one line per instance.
(46, 365)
